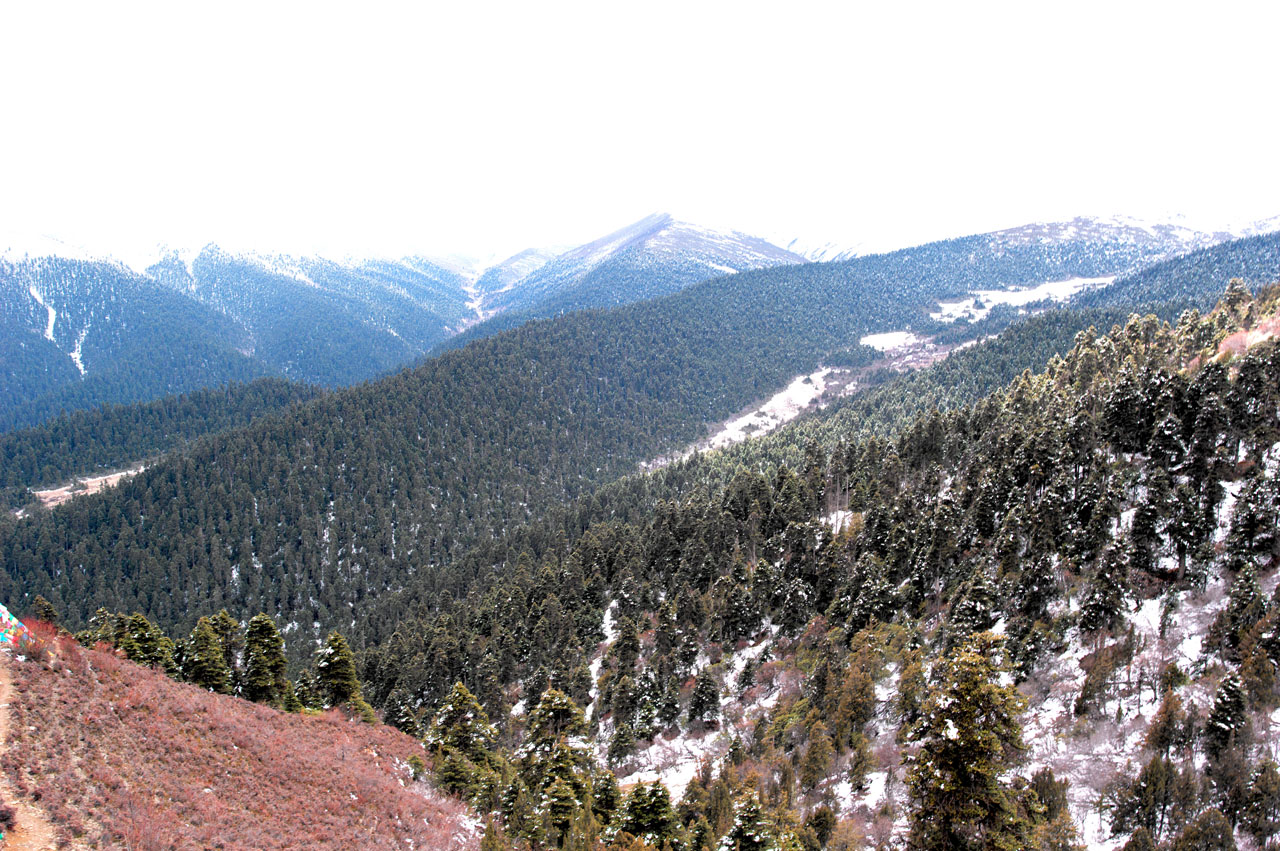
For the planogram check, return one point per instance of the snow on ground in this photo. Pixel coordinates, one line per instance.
(1091, 752)
(838, 520)
(675, 760)
(1231, 492)
(785, 406)
(57, 496)
(891, 340)
(77, 353)
(675, 757)
(53, 314)
(968, 308)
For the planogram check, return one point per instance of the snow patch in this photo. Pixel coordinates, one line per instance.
(891, 341)
(783, 407)
(950, 311)
(53, 314)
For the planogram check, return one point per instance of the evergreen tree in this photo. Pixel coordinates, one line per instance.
(43, 610)
(1103, 604)
(144, 643)
(1227, 719)
(750, 831)
(1210, 832)
(704, 704)
(232, 638)
(336, 669)
(561, 804)
(265, 667)
(205, 664)
(462, 725)
(555, 717)
(1262, 813)
(648, 815)
(816, 761)
(969, 735)
(1140, 841)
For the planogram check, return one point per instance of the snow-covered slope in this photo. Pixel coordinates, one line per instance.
(654, 256)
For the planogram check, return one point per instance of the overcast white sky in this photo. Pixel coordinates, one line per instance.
(487, 128)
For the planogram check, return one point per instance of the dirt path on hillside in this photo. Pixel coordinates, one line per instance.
(32, 831)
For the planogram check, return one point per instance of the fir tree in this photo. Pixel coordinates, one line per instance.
(336, 669)
(648, 815)
(969, 735)
(1210, 832)
(1140, 841)
(265, 667)
(704, 704)
(555, 717)
(43, 610)
(750, 831)
(205, 665)
(1262, 813)
(1227, 719)
(462, 725)
(816, 761)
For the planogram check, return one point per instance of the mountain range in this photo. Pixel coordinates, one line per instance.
(80, 331)
(1041, 571)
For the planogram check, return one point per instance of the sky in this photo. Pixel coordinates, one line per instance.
(481, 129)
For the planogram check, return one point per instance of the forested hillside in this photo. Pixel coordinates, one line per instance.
(76, 334)
(1195, 279)
(323, 322)
(847, 650)
(310, 514)
(85, 442)
(653, 257)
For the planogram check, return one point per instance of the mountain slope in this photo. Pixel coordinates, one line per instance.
(313, 513)
(653, 257)
(323, 322)
(1197, 278)
(112, 436)
(1101, 535)
(121, 756)
(80, 333)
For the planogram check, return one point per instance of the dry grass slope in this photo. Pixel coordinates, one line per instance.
(123, 757)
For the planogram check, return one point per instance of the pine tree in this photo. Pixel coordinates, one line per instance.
(556, 716)
(1210, 832)
(1227, 719)
(1140, 841)
(704, 704)
(648, 815)
(265, 667)
(229, 633)
(561, 804)
(1262, 813)
(43, 610)
(144, 643)
(969, 735)
(750, 831)
(621, 744)
(462, 725)
(816, 761)
(1103, 604)
(336, 669)
(205, 665)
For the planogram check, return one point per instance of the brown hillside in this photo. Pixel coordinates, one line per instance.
(119, 756)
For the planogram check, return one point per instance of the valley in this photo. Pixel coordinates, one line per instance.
(876, 477)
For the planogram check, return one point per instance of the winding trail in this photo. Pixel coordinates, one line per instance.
(32, 830)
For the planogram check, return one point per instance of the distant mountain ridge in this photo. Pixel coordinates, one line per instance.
(653, 257)
(78, 331)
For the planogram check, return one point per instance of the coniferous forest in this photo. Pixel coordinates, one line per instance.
(1022, 598)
